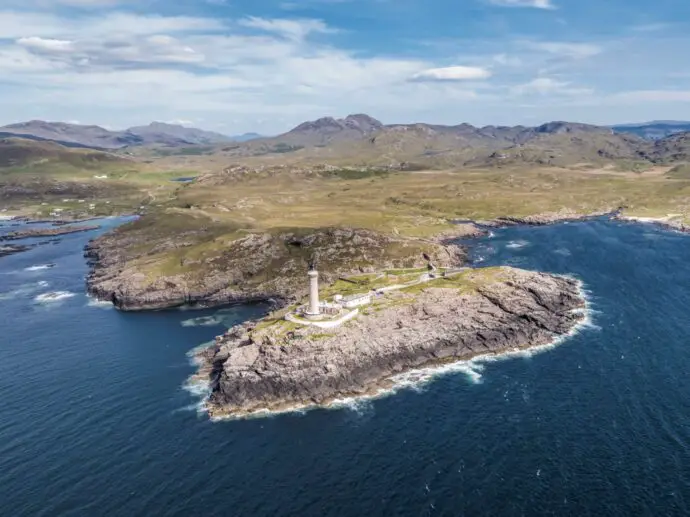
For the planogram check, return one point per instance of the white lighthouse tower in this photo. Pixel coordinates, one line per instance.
(313, 309)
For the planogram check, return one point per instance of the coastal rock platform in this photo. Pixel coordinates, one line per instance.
(262, 365)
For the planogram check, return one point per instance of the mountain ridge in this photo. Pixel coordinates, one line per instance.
(97, 137)
(655, 129)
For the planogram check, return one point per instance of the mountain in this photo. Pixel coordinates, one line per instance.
(329, 129)
(72, 134)
(76, 135)
(41, 155)
(173, 134)
(673, 148)
(654, 130)
(363, 139)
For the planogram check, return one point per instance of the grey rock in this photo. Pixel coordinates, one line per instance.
(248, 372)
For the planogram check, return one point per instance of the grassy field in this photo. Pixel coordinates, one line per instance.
(37, 178)
(209, 215)
(423, 203)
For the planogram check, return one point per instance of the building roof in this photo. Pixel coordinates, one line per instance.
(354, 297)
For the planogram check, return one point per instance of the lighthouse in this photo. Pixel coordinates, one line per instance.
(313, 309)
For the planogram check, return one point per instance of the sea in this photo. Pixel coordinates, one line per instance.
(98, 418)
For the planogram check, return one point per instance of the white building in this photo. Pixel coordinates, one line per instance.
(356, 300)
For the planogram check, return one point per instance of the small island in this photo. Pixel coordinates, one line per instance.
(11, 249)
(372, 327)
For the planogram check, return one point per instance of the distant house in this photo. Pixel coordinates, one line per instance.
(356, 300)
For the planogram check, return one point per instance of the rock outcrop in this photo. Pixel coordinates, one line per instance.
(254, 267)
(11, 249)
(252, 368)
(46, 232)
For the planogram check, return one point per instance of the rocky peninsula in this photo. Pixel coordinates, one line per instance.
(11, 249)
(47, 232)
(138, 270)
(272, 364)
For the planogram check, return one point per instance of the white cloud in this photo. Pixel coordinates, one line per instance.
(536, 4)
(506, 60)
(549, 86)
(46, 46)
(452, 73)
(82, 4)
(294, 29)
(566, 49)
(114, 52)
(15, 24)
(124, 69)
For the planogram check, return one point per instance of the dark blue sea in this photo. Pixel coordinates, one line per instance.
(95, 419)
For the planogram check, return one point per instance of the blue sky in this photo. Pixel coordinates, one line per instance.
(267, 65)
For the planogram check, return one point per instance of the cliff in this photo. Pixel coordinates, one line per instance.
(137, 270)
(266, 365)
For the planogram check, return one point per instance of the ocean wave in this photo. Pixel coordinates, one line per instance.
(516, 245)
(53, 297)
(41, 267)
(101, 304)
(24, 290)
(203, 321)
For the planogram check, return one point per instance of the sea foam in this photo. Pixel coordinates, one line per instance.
(24, 290)
(53, 297)
(203, 321)
(516, 245)
(100, 304)
(41, 267)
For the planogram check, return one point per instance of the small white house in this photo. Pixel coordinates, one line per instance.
(356, 300)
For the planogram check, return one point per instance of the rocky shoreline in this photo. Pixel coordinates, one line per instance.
(663, 222)
(255, 366)
(259, 267)
(11, 249)
(47, 232)
(238, 275)
(549, 218)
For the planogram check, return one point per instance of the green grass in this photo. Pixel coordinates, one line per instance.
(466, 282)
(355, 174)
(681, 172)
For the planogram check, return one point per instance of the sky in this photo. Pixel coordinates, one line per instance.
(264, 66)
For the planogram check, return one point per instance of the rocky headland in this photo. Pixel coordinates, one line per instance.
(11, 249)
(177, 270)
(548, 218)
(671, 222)
(272, 365)
(47, 232)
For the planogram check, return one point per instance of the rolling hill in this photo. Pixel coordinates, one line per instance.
(17, 153)
(654, 130)
(96, 137)
(361, 139)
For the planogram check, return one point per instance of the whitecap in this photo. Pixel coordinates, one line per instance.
(101, 304)
(516, 245)
(24, 290)
(41, 267)
(53, 297)
(193, 354)
(203, 321)
(563, 251)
